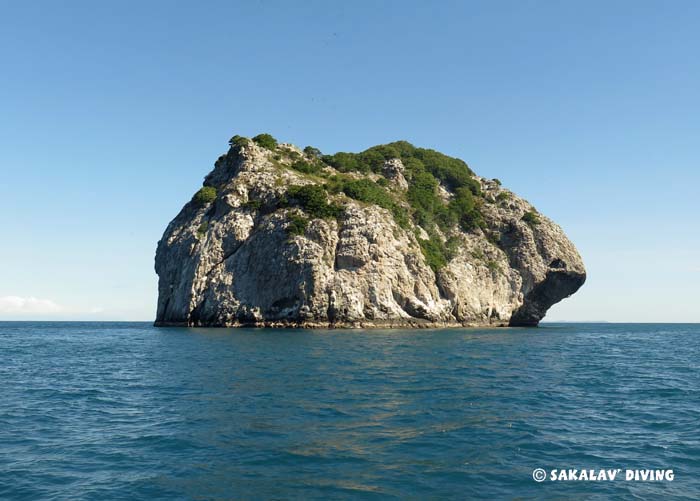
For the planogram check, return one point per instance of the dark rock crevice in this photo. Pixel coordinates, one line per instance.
(557, 285)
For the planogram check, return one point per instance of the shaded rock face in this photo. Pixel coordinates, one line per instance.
(238, 260)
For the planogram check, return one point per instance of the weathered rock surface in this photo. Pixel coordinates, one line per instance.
(234, 261)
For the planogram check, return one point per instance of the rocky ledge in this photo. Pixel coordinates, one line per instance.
(395, 236)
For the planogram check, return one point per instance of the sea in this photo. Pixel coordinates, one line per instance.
(127, 411)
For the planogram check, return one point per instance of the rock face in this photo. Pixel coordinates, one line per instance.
(249, 254)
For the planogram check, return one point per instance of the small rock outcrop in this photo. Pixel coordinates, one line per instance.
(396, 236)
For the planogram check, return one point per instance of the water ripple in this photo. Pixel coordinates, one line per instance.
(127, 411)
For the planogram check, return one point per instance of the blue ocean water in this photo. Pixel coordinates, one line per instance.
(128, 411)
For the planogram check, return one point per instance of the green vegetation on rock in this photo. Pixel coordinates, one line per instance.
(306, 167)
(266, 141)
(253, 204)
(531, 218)
(366, 190)
(438, 253)
(434, 252)
(206, 195)
(313, 199)
(345, 162)
(425, 169)
(465, 209)
(297, 224)
(312, 152)
(238, 141)
(443, 194)
(502, 196)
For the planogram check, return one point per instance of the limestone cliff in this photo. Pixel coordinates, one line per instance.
(396, 236)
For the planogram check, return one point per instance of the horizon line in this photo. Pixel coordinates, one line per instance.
(204, 327)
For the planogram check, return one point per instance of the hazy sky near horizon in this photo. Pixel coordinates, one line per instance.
(113, 112)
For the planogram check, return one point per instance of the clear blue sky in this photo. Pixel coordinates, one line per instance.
(113, 112)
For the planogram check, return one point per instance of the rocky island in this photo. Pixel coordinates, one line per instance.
(395, 236)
